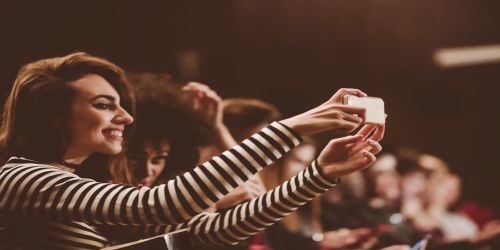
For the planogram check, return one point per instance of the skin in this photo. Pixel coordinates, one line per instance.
(348, 154)
(387, 185)
(97, 120)
(156, 161)
(297, 160)
(209, 104)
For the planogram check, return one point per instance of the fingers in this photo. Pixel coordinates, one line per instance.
(366, 130)
(375, 146)
(337, 97)
(360, 111)
(346, 120)
(353, 118)
(343, 126)
(206, 101)
(202, 91)
(347, 140)
(378, 135)
(370, 157)
(369, 145)
(196, 86)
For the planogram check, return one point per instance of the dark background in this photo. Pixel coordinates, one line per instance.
(295, 54)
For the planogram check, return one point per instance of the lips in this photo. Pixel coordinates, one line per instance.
(113, 134)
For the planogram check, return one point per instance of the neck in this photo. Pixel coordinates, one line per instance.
(74, 156)
(70, 164)
(74, 160)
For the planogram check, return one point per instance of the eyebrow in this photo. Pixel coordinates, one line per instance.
(111, 98)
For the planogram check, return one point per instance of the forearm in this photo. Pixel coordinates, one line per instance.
(244, 220)
(224, 139)
(60, 195)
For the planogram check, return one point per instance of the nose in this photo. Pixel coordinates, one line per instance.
(151, 170)
(122, 116)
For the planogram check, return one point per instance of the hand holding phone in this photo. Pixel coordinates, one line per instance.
(374, 106)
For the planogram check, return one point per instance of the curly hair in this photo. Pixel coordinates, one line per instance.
(165, 114)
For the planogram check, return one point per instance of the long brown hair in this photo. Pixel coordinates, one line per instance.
(38, 108)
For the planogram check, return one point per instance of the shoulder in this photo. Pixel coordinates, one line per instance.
(21, 164)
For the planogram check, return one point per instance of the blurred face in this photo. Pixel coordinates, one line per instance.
(97, 121)
(156, 160)
(445, 190)
(387, 185)
(297, 160)
(414, 185)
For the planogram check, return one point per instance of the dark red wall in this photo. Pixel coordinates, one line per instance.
(297, 53)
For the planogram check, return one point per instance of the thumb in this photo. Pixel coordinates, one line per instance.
(347, 140)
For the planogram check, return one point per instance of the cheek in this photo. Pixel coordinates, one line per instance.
(159, 169)
(154, 170)
(90, 127)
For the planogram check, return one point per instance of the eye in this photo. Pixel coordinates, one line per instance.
(104, 106)
(159, 159)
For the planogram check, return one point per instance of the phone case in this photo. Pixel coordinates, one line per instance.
(375, 112)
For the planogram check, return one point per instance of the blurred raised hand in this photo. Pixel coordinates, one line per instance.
(209, 105)
(206, 101)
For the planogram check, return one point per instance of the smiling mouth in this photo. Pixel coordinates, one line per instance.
(113, 134)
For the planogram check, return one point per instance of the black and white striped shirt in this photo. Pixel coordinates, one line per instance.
(43, 207)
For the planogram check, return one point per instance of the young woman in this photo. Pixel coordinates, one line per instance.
(67, 112)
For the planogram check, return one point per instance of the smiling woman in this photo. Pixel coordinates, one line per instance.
(76, 109)
(51, 101)
(97, 120)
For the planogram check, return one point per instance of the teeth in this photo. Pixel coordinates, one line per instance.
(116, 133)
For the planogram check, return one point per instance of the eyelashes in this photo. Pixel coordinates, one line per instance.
(104, 106)
(158, 159)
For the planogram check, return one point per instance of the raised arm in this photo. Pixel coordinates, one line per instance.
(209, 104)
(341, 157)
(41, 190)
(38, 189)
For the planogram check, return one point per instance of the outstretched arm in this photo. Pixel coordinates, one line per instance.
(41, 190)
(341, 156)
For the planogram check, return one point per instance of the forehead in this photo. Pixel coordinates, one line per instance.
(162, 146)
(92, 85)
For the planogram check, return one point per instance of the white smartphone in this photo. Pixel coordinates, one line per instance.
(374, 106)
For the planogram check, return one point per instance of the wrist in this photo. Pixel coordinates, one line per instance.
(327, 175)
(296, 123)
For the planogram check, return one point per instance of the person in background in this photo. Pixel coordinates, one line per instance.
(176, 146)
(301, 229)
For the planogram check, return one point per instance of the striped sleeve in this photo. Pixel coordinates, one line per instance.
(246, 219)
(46, 191)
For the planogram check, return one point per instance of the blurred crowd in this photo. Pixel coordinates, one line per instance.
(176, 169)
(405, 196)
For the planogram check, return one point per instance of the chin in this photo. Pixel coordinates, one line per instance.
(111, 150)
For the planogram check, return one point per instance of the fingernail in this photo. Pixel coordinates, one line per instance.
(372, 142)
